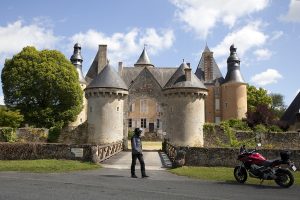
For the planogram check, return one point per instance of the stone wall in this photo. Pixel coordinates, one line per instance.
(228, 156)
(225, 157)
(270, 140)
(32, 151)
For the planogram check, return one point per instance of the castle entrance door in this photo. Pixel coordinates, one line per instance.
(151, 127)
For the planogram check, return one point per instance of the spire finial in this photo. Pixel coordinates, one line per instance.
(183, 60)
(145, 45)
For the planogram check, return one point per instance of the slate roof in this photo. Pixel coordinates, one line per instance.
(143, 59)
(162, 75)
(290, 114)
(108, 78)
(92, 73)
(233, 68)
(178, 79)
(215, 69)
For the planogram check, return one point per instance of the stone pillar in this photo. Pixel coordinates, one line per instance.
(234, 101)
(185, 117)
(105, 115)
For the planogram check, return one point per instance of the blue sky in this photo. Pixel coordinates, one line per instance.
(265, 32)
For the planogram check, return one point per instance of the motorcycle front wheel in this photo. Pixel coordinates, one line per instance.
(240, 174)
(284, 178)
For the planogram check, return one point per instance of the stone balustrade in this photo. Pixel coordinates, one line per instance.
(32, 151)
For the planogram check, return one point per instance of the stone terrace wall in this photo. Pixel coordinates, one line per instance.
(227, 157)
(272, 140)
(31, 151)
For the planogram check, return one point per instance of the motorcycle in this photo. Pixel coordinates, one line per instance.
(259, 167)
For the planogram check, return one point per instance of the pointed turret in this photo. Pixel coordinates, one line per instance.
(184, 96)
(108, 78)
(183, 78)
(233, 67)
(143, 60)
(233, 90)
(105, 118)
(206, 49)
(77, 60)
(208, 70)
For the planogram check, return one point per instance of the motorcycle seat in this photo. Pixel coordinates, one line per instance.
(269, 163)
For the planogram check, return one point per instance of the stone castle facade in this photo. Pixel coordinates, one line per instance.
(170, 100)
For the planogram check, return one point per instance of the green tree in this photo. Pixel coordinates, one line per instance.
(257, 97)
(43, 85)
(277, 105)
(9, 118)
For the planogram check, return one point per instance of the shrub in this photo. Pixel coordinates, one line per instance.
(275, 128)
(130, 134)
(260, 128)
(209, 128)
(54, 133)
(9, 118)
(8, 134)
(238, 124)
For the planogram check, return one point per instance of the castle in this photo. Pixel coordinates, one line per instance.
(170, 100)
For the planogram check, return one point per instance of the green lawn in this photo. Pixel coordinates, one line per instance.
(47, 166)
(149, 145)
(223, 174)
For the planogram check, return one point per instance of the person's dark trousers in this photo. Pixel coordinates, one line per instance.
(141, 160)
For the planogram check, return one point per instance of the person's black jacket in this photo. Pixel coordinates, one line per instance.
(136, 144)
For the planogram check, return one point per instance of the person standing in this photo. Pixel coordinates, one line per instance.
(136, 146)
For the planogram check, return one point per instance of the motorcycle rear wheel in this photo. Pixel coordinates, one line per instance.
(284, 178)
(240, 174)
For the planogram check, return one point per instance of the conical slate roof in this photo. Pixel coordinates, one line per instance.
(233, 68)
(178, 80)
(289, 115)
(108, 78)
(76, 54)
(77, 60)
(206, 49)
(143, 59)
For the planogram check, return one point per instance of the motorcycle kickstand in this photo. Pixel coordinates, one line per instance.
(261, 181)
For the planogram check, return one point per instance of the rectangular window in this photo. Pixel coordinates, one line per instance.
(217, 91)
(157, 123)
(217, 120)
(129, 123)
(131, 108)
(157, 108)
(143, 123)
(143, 106)
(217, 104)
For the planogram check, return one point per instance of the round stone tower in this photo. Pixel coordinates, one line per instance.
(233, 89)
(184, 95)
(77, 60)
(105, 95)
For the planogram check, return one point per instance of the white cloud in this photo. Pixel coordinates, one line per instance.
(276, 35)
(122, 46)
(16, 35)
(244, 39)
(202, 15)
(293, 14)
(262, 54)
(267, 77)
(1, 100)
